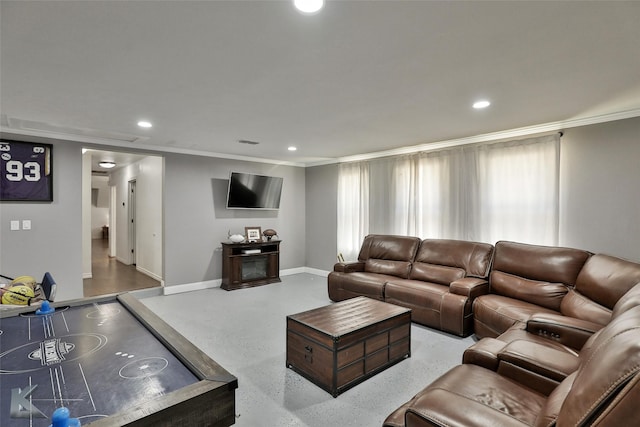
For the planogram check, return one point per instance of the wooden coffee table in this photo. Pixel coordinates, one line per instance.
(343, 344)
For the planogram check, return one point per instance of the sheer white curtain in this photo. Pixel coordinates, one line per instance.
(353, 208)
(518, 191)
(499, 191)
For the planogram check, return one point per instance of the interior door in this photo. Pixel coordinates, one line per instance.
(132, 220)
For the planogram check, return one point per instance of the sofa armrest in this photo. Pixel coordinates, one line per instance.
(484, 353)
(538, 366)
(540, 359)
(469, 286)
(566, 330)
(349, 267)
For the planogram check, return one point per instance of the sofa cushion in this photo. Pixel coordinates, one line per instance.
(472, 257)
(541, 263)
(394, 248)
(387, 267)
(574, 304)
(391, 255)
(627, 301)
(604, 279)
(348, 285)
(494, 314)
(544, 294)
(427, 296)
(470, 395)
(435, 273)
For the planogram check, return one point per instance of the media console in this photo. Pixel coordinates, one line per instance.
(249, 264)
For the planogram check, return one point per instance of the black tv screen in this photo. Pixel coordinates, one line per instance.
(249, 191)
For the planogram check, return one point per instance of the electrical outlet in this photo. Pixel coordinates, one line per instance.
(26, 224)
(15, 225)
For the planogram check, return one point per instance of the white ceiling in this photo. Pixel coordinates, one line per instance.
(359, 77)
(120, 158)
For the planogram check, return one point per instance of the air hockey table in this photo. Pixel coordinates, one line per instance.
(111, 362)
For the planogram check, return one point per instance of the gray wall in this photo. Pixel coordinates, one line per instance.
(54, 243)
(600, 210)
(196, 220)
(599, 194)
(600, 188)
(322, 222)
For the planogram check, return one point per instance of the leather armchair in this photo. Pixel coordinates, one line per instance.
(603, 391)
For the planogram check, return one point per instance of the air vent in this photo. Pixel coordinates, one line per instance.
(244, 141)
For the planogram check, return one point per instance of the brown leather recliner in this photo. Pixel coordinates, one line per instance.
(437, 278)
(547, 350)
(604, 391)
(381, 258)
(446, 276)
(525, 280)
(605, 287)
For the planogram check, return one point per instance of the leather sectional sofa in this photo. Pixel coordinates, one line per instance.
(559, 329)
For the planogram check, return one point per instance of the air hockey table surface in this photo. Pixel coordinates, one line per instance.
(112, 362)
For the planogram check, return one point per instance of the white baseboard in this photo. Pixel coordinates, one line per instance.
(291, 271)
(300, 270)
(148, 273)
(122, 260)
(189, 287)
(199, 286)
(87, 275)
(316, 271)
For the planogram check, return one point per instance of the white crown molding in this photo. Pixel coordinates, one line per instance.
(494, 136)
(107, 144)
(431, 146)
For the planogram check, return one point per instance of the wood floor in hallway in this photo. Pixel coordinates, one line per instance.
(110, 275)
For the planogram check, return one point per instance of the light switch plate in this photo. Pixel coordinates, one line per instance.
(26, 224)
(15, 225)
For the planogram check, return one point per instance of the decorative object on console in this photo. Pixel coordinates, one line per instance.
(235, 238)
(253, 234)
(269, 234)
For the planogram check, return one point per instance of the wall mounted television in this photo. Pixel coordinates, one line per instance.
(251, 191)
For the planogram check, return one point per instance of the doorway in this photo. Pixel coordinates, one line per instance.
(124, 258)
(131, 221)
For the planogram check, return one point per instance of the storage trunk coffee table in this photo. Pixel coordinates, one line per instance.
(343, 344)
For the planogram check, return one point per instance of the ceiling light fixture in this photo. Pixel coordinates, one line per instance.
(292, 148)
(481, 104)
(308, 6)
(107, 165)
(144, 124)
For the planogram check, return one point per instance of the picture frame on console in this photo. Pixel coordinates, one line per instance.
(253, 234)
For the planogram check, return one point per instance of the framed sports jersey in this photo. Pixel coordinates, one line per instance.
(26, 171)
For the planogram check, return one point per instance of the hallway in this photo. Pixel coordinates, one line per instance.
(110, 275)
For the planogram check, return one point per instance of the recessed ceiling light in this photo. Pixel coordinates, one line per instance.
(308, 6)
(107, 165)
(144, 124)
(481, 104)
(292, 148)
